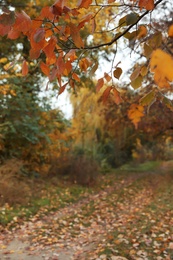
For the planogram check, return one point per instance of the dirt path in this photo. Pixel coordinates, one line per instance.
(77, 231)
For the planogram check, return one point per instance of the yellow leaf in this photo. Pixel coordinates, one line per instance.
(135, 113)
(161, 64)
(170, 31)
(3, 60)
(148, 98)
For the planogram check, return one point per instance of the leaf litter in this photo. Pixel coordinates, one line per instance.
(132, 217)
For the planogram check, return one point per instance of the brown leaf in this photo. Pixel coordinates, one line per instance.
(25, 68)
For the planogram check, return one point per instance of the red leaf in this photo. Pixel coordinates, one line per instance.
(57, 7)
(85, 19)
(147, 4)
(4, 29)
(45, 69)
(62, 88)
(46, 13)
(75, 34)
(13, 34)
(39, 35)
(84, 3)
(22, 23)
(75, 77)
(99, 84)
(34, 54)
(7, 18)
(105, 94)
(25, 68)
(117, 97)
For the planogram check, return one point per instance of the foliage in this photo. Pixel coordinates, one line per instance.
(65, 36)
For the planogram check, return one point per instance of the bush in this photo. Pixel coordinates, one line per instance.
(79, 169)
(13, 190)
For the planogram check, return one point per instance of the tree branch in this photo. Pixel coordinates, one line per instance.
(117, 37)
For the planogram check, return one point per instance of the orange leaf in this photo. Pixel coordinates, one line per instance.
(142, 31)
(25, 68)
(99, 84)
(147, 4)
(13, 34)
(22, 23)
(62, 88)
(107, 77)
(105, 94)
(45, 69)
(75, 77)
(75, 34)
(84, 3)
(46, 13)
(71, 55)
(170, 31)
(85, 19)
(34, 54)
(135, 113)
(84, 64)
(4, 29)
(117, 97)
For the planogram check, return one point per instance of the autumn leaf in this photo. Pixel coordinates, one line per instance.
(105, 94)
(22, 23)
(75, 34)
(135, 73)
(93, 69)
(84, 3)
(135, 113)
(7, 19)
(62, 88)
(39, 35)
(170, 31)
(24, 68)
(117, 72)
(116, 96)
(84, 64)
(161, 64)
(148, 98)
(45, 69)
(107, 77)
(142, 31)
(99, 84)
(12, 34)
(147, 4)
(75, 77)
(132, 18)
(137, 82)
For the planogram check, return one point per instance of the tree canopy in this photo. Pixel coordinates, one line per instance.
(68, 40)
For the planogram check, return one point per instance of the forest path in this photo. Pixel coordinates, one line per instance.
(81, 230)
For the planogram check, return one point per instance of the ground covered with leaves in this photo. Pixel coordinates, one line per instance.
(129, 213)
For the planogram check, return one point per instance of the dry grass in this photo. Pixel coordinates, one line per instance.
(13, 189)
